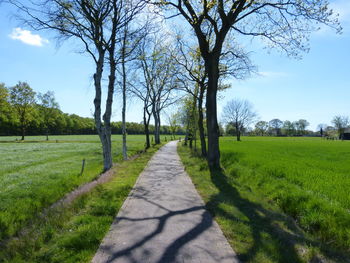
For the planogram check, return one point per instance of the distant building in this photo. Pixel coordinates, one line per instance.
(346, 134)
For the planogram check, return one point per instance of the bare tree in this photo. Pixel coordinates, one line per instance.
(234, 63)
(141, 86)
(142, 91)
(193, 79)
(285, 24)
(96, 24)
(132, 35)
(159, 78)
(240, 113)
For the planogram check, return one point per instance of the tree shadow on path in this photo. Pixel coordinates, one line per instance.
(171, 251)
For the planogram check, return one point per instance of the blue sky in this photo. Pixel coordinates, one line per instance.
(315, 88)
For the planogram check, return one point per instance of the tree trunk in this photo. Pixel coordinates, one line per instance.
(156, 126)
(157, 135)
(148, 144)
(105, 138)
(103, 129)
(23, 124)
(238, 132)
(200, 123)
(146, 126)
(47, 134)
(108, 112)
(212, 67)
(125, 155)
(194, 117)
(23, 132)
(187, 132)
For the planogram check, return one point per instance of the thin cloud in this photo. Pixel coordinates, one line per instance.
(27, 37)
(272, 74)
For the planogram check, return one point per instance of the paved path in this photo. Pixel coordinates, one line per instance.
(164, 220)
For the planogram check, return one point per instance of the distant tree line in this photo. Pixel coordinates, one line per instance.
(240, 118)
(25, 112)
(276, 127)
(239, 115)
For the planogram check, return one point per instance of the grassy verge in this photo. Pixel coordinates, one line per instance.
(36, 173)
(254, 225)
(73, 233)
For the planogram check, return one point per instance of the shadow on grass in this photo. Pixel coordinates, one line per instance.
(288, 239)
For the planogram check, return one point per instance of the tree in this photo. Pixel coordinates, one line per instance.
(301, 125)
(7, 118)
(4, 97)
(186, 118)
(240, 113)
(3, 94)
(322, 128)
(289, 128)
(173, 121)
(143, 93)
(340, 123)
(96, 24)
(132, 35)
(285, 24)
(331, 131)
(276, 125)
(158, 71)
(22, 98)
(193, 80)
(230, 129)
(261, 127)
(49, 105)
(193, 77)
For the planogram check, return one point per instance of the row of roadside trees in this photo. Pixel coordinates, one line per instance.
(110, 30)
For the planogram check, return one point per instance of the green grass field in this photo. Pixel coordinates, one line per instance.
(73, 233)
(308, 179)
(35, 173)
(319, 167)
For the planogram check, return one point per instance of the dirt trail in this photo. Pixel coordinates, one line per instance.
(87, 187)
